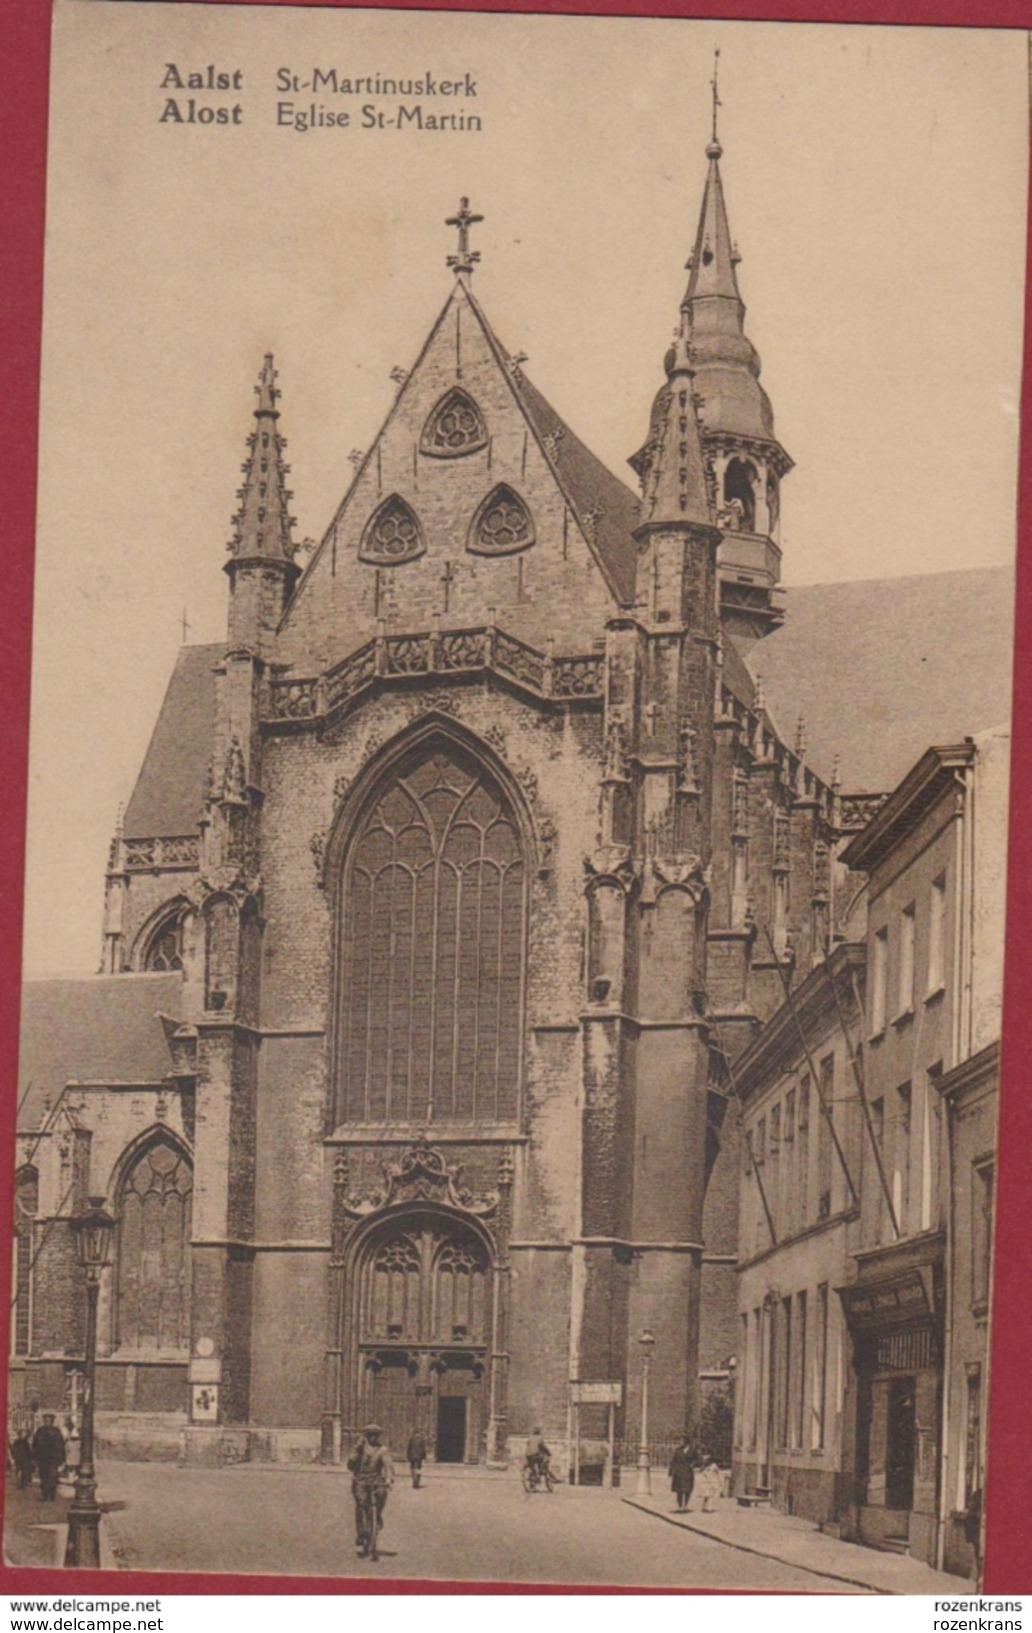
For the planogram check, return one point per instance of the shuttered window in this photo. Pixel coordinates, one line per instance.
(432, 949)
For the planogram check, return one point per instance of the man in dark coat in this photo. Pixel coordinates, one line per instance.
(21, 1457)
(416, 1455)
(48, 1454)
(682, 1473)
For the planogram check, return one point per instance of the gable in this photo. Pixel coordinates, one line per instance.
(475, 504)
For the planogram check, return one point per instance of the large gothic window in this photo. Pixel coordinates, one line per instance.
(432, 948)
(154, 1250)
(164, 950)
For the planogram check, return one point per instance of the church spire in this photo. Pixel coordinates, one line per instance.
(261, 566)
(671, 463)
(262, 525)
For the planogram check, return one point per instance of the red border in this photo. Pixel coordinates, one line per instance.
(23, 125)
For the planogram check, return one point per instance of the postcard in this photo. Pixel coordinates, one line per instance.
(510, 1044)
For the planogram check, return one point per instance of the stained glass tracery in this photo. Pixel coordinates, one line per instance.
(432, 932)
(455, 427)
(154, 1250)
(393, 534)
(502, 524)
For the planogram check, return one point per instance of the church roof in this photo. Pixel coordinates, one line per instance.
(92, 1029)
(880, 668)
(169, 791)
(592, 489)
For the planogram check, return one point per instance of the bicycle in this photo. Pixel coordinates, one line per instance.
(370, 1522)
(537, 1477)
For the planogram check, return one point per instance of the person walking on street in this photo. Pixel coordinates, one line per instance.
(21, 1457)
(682, 1473)
(372, 1475)
(415, 1452)
(710, 1482)
(973, 1531)
(48, 1454)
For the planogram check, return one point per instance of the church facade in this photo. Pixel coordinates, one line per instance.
(453, 883)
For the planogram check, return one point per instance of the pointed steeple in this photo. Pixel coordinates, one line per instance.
(262, 525)
(261, 566)
(671, 463)
(727, 363)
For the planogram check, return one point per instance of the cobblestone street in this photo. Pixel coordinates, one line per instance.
(457, 1527)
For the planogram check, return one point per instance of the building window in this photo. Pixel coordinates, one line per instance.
(790, 1210)
(392, 535)
(818, 1403)
(824, 1136)
(973, 1433)
(783, 1371)
(752, 1425)
(905, 984)
(983, 1175)
(164, 950)
(803, 1151)
(901, 1160)
(154, 1250)
(879, 980)
(798, 1380)
(455, 427)
(26, 1207)
(431, 950)
(878, 1130)
(937, 936)
(502, 524)
(774, 1181)
(743, 1380)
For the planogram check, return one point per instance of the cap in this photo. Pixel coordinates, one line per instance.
(372, 1429)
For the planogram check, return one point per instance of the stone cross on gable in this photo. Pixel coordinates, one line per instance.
(466, 259)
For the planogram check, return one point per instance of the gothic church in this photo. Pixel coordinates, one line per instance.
(452, 883)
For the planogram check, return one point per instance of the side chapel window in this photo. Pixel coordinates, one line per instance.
(431, 931)
(26, 1206)
(165, 947)
(154, 1250)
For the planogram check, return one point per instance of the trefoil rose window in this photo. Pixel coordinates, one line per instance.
(502, 524)
(393, 534)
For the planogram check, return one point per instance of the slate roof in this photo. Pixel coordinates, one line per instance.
(590, 487)
(881, 668)
(92, 1028)
(169, 791)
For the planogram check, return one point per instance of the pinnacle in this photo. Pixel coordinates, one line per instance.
(262, 524)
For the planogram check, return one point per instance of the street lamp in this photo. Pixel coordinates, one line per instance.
(644, 1487)
(92, 1245)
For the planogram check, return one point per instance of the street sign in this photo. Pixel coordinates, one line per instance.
(596, 1394)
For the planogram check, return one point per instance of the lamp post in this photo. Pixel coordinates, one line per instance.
(644, 1486)
(93, 1231)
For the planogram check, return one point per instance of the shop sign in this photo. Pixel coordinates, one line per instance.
(885, 1303)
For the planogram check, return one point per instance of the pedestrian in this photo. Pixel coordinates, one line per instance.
(710, 1481)
(416, 1454)
(973, 1531)
(48, 1454)
(21, 1457)
(372, 1475)
(682, 1473)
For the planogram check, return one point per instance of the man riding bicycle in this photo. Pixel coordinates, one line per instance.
(372, 1475)
(537, 1456)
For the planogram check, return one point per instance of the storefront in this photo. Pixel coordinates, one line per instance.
(894, 1312)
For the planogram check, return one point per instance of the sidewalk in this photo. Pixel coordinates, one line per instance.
(798, 1542)
(35, 1533)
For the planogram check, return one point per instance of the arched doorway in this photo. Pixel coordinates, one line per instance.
(421, 1333)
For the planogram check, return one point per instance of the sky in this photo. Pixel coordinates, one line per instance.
(876, 185)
